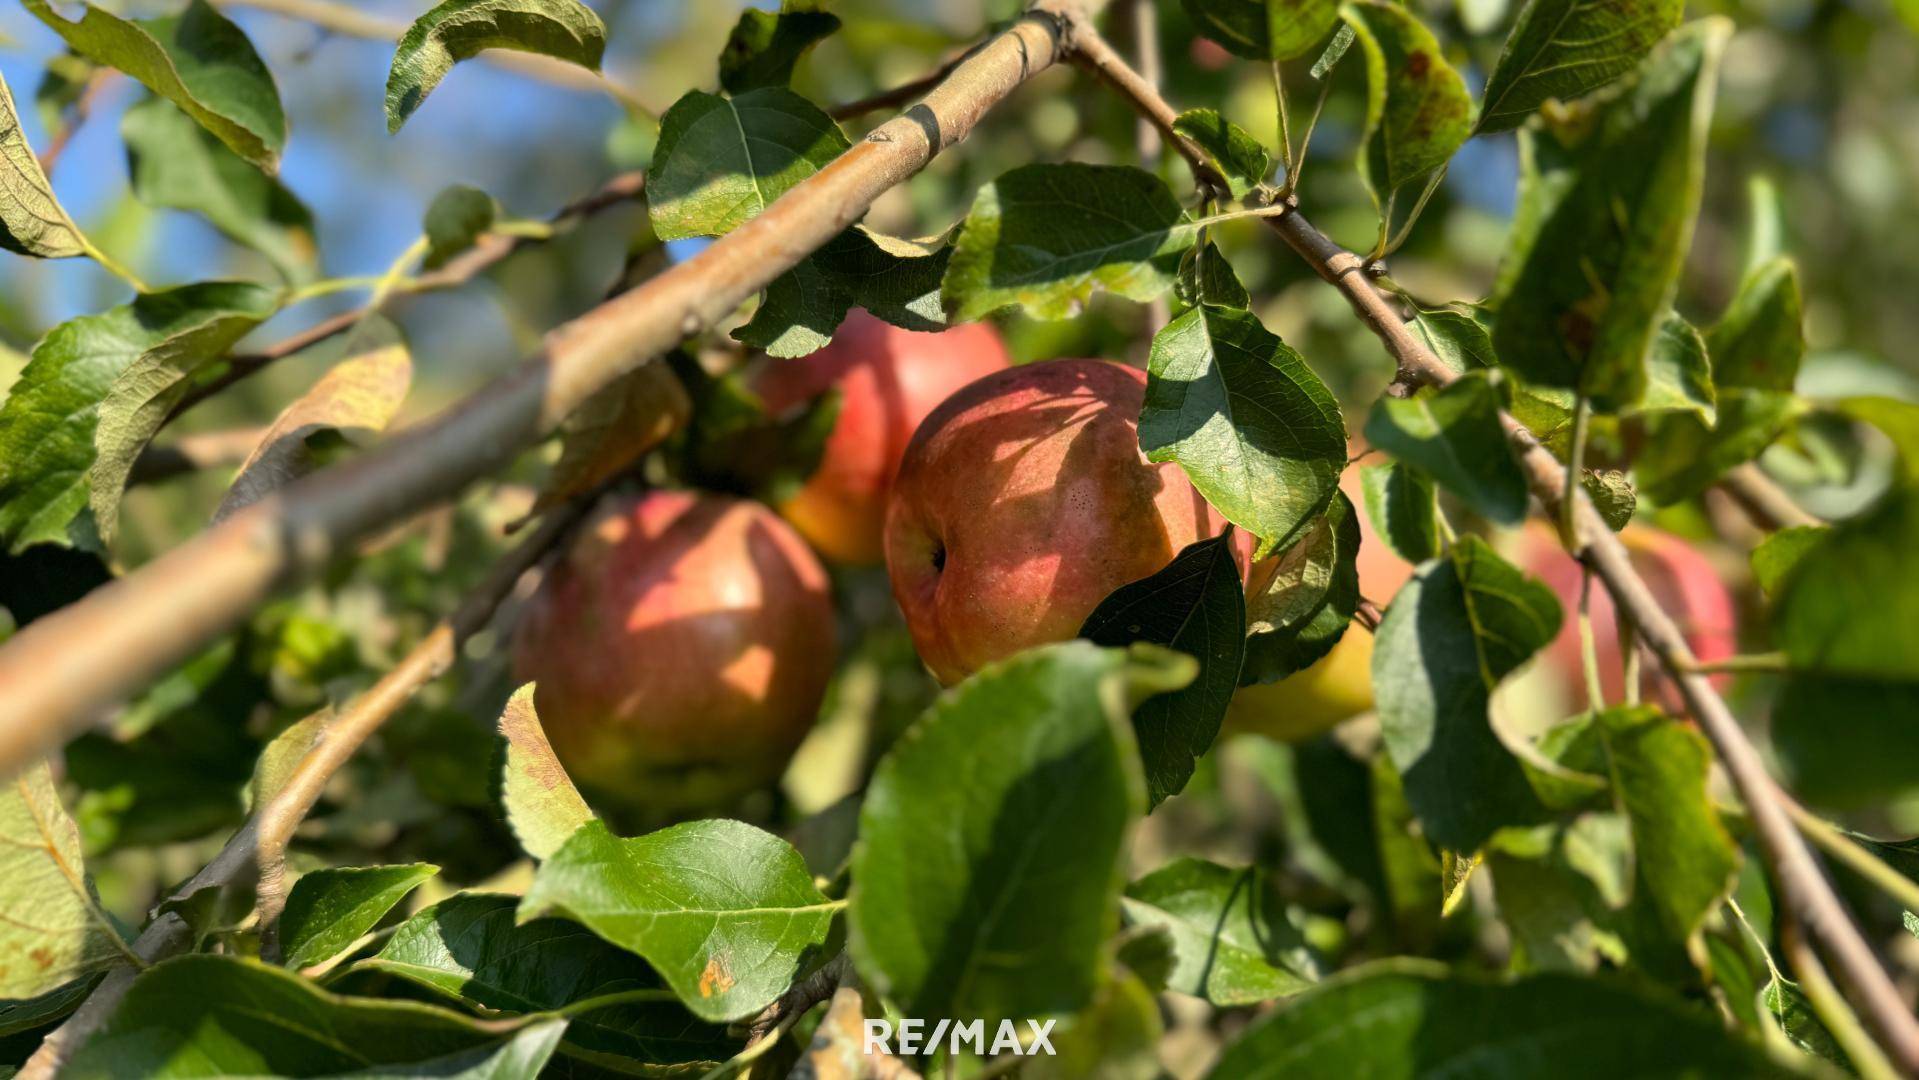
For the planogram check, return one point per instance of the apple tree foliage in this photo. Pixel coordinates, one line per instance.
(1440, 887)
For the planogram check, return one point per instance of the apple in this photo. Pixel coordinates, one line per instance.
(1684, 581)
(888, 379)
(1022, 501)
(681, 646)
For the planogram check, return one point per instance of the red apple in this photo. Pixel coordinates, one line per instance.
(888, 379)
(1684, 581)
(681, 647)
(1023, 500)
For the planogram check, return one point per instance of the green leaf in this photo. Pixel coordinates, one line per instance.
(1462, 623)
(456, 30)
(1456, 336)
(1195, 605)
(1678, 374)
(1234, 943)
(1612, 494)
(1250, 424)
(1848, 607)
(1413, 1018)
(206, 1016)
(174, 163)
(1117, 1037)
(1264, 29)
(179, 332)
(49, 423)
(1299, 604)
(543, 808)
(1046, 237)
(1759, 341)
(1565, 49)
(52, 930)
(1334, 52)
(764, 46)
(328, 909)
(1454, 434)
(987, 876)
(1847, 743)
(721, 161)
(1684, 859)
(469, 948)
(1417, 109)
(1778, 553)
(1403, 508)
(1205, 277)
(1682, 456)
(1586, 290)
(32, 221)
(726, 913)
(1788, 1007)
(614, 429)
(197, 59)
(455, 220)
(894, 278)
(1239, 157)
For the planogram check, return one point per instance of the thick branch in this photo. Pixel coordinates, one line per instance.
(261, 843)
(59, 674)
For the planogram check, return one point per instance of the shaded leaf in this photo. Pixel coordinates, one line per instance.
(1234, 941)
(1682, 456)
(1239, 157)
(894, 278)
(49, 423)
(1779, 552)
(1678, 374)
(355, 399)
(1403, 508)
(456, 30)
(1046, 237)
(198, 59)
(1264, 29)
(987, 877)
(32, 221)
(1564, 49)
(1612, 494)
(1788, 1007)
(1460, 625)
(543, 808)
(613, 429)
(1417, 109)
(1250, 424)
(720, 161)
(1456, 336)
(1116, 1037)
(455, 220)
(328, 909)
(52, 930)
(173, 162)
(1850, 603)
(1195, 605)
(1847, 743)
(1455, 435)
(725, 912)
(1585, 291)
(764, 46)
(1299, 605)
(1760, 340)
(1205, 277)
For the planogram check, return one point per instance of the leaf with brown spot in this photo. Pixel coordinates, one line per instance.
(542, 806)
(48, 915)
(1417, 109)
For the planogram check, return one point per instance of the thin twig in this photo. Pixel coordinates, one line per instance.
(1830, 1006)
(898, 95)
(1844, 849)
(1771, 663)
(1091, 52)
(1763, 501)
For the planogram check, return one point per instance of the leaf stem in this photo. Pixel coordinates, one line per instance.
(1588, 646)
(1419, 207)
(1285, 127)
(1832, 840)
(110, 264)
(1312, 125)
(1769, 663)
(607, 1001)
(1575, 461)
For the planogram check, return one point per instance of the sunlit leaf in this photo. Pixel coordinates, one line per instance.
(543, 808)
(52, 929)
(1299, 604)
(1760, 340)
(329, 908)
(1234, 941)
(1417, 109)
(722, 160)
(1564, 49)
(456, 30)
(32, 221)
(1239, 157)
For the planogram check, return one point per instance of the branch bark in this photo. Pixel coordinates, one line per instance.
(1801, 883)
(261, 843)
(61, 673)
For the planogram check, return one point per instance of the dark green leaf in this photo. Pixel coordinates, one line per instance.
(1402, 505)
(1046, 237)
(197, 59)
(1460, 625)
(1456, 336)
(1299, 605)
(543, 808)
(726, 913)
(1612, 494)
(1778, 553)
(1678, 374)
(894, 278)
(32, 221)
(175, 163)
(1417, 109)
(1565, 49)
(18, 1015)
(1197, 606)
(56, 415)
(456, 30)
(223, 1016)
(1405, 1018)
(1239, 157)
(1205, 277)
(455, 220)
(1586, 290)
(51, 927)
(1454, 434)
(721, 161)
(328, 909)
(469, 948)
(1264, 29)
(1682, 456)
(1850, 604)
(1848, 743)
(1252, 426)
(987, 877)
(765, 45)
(1759, 341)
(1234, 942)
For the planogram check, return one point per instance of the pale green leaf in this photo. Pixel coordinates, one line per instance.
(720, 161)
(1402, 506)
(1759, 341)
(1300, 603)
(1234, 941)
(1417, 109)
(1239, 157)
(52, 930)
(32, 221)
(543, 808)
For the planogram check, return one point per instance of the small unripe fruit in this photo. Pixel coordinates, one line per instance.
(681, 646)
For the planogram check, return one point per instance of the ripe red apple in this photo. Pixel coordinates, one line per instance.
(888, 379)
(1022, 501)
(1683, 580)
(681, 646)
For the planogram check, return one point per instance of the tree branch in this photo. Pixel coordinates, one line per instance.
(1762, 500)
(1802, 885)
(1091, 52)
